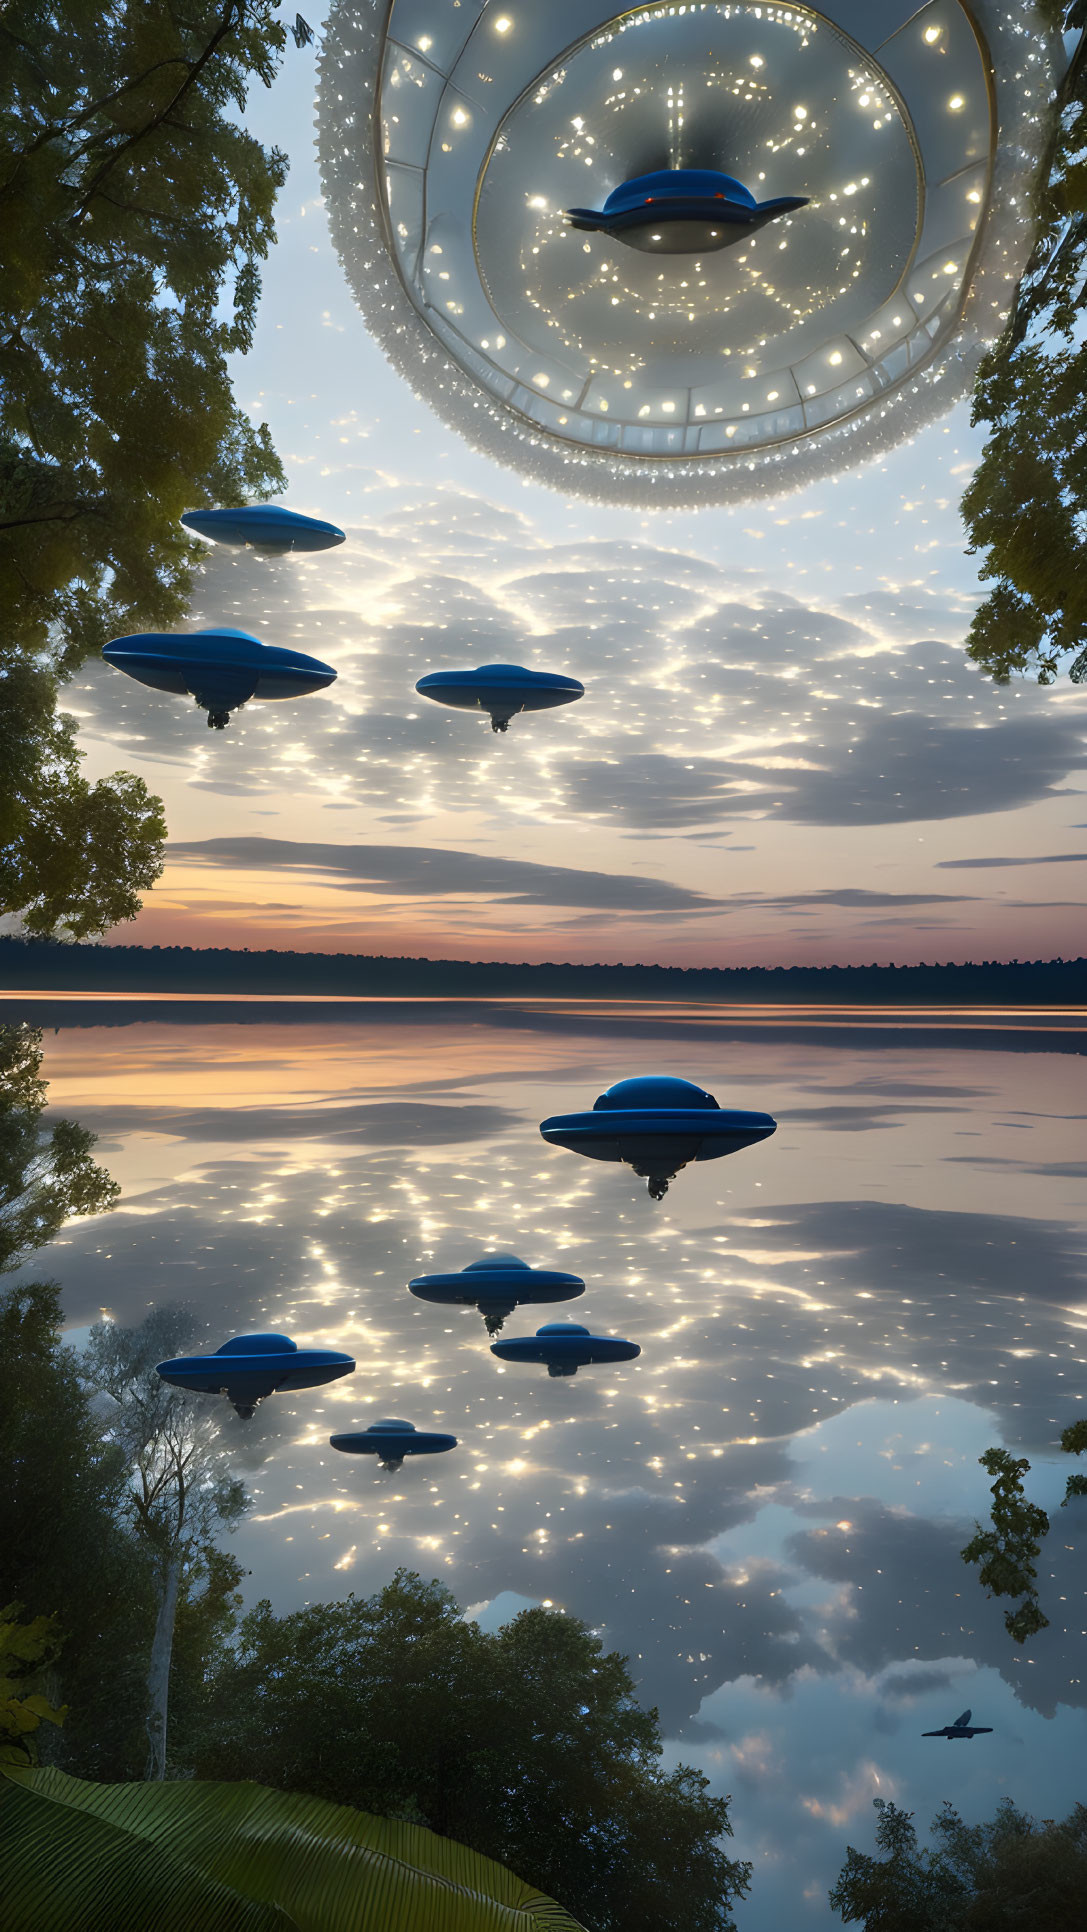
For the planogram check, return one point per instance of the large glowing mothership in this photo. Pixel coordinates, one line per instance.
(455, 136)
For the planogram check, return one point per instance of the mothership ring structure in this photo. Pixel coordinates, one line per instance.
(455, 136)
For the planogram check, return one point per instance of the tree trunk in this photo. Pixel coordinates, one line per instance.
(158, 1675)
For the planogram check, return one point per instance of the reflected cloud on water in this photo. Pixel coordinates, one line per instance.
(774, 1496)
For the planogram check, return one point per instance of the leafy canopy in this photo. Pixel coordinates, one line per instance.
(1007, 1553)
(134, 212)
(1005, 1875)
(74, 857)
(1025, 506)
(129, 202)
(26, 1649)
(47, 1174)
(527, 1745)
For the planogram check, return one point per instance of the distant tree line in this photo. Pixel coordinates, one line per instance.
(1011, 1873)
(43, 965)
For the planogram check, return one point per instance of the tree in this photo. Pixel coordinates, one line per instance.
(129, 202)
(1025, 506)
(46, 1176)
(1009, 1874)
(1007, 1553)
(527, 1745)
(133, 215)
(181, 1492)
(74, 857)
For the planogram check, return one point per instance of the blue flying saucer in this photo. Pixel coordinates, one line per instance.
(221, 669)
(656, 1124)
(265, 527)
(254, 1366)
(500, 689)
(391, 1441)
(682, 211)
(497, 1285)
(565, 1347)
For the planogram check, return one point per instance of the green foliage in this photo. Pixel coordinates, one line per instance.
(527, 1745)
(1007, 1553)
(1025, 505)
(133, 214)
(1009, 1874)
(129, 200)
(26, 1650)
(910, 1890)
(46, 1175)
(165, 1858)
(65, 1551)
(74, 857)
(1074, 1442)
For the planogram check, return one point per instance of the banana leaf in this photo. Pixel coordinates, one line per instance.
(195, 1857)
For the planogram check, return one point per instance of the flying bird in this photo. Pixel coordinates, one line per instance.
(962, 1727)
(682, 211)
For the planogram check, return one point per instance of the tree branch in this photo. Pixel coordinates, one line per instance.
(235, 14)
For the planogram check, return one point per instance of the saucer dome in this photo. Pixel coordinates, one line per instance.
(251, 1367)
(565, 1347)
(391, 1440)
(496, 1285)
(657, 1123)
(501, 690)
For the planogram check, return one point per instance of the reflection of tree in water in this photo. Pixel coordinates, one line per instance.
(108, 1508)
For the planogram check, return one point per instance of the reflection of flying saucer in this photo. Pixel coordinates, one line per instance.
(254, 1366)
(501, 690)
(656, 1124)
(565, 1347)
(682, 211)
(453, 140)
(221, 669)
(391, 1441)
(264, 526)
(497, 1285)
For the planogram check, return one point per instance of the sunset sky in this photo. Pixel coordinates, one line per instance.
(782, 754)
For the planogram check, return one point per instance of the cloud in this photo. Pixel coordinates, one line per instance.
(711, 696)
(406, 871)
(1044, 858)
(391, 1123)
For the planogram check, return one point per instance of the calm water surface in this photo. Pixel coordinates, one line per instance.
(765, 1511)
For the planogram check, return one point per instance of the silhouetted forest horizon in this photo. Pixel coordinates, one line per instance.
(43, 965)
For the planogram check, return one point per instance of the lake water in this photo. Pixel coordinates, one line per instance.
(765, 1510)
